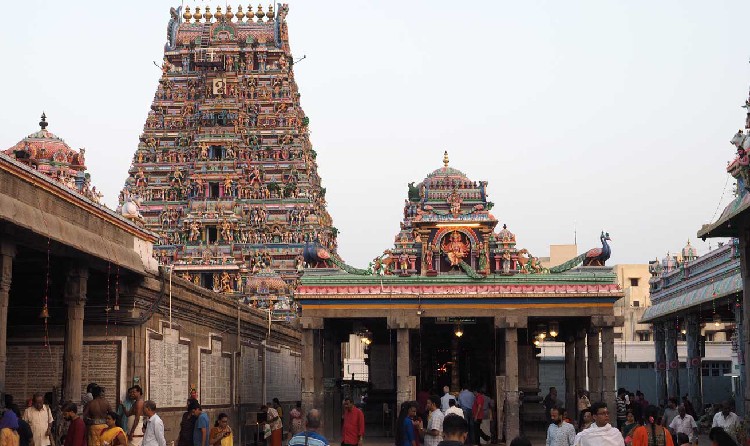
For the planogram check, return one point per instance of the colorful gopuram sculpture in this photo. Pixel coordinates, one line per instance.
(224, 170)
(50, 155)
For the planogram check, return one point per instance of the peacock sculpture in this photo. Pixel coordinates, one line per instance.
(592, 257)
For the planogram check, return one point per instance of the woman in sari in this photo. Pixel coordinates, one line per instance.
(221, 433)
(630, 424)
(652, 433)
(295, 415)
(9, 429)
(113, 435)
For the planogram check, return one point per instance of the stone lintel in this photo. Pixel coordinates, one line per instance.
(511, 321)
(403, 321)
(607, 321)
(311, 323)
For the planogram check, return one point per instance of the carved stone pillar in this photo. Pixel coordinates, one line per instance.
(609, 392)
(673, 362)
(693, 335)
(311, 369)
(580, 360)
(661, 362)
(592, 343)
(7, 253)
(740, 334)
(75, 299)
(455, 367)
(512, 403)
(405, 381)
(745, 339)
(570, 376)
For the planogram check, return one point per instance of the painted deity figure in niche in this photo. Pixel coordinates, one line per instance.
(455, 248)
(455, 200)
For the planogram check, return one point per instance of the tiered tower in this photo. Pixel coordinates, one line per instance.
(224, 170)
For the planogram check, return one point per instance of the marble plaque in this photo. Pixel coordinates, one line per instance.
(216, 376)
(168, 372)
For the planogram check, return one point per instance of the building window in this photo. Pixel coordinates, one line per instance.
(633, 281)
(710, 336)
(636, 303)
(644, 336)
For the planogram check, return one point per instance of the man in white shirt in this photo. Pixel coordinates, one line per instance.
(40, 419)
(727, 420)
(154, 431)
(445, 398)
(559, 433)
(600, 433)
(434, 432)
(453, 409)
(684, 423)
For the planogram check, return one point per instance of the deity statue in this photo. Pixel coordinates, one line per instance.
(506, 262)
(140, 178)
(456, 249)
(454, 199)
(194, 231)
(226, 283)
(428, 258)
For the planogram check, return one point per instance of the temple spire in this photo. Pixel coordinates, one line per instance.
(43, 122)
(445, 159)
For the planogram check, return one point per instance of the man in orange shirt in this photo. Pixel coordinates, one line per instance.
(352, 424)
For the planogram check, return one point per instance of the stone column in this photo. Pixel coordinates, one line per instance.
(740, 333)
(695, 395)
(595, 384)
(311, 366)
(660, 358)
(405, 381)
(745, 340)
(511, 324)
(570, 376)
(7, 253)
(75, 299)
(580, 360)
(455, 370)
(673, 362)
(609, 392)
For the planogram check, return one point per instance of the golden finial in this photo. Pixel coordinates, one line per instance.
(445, 159)
(228, 16)
(186, 15)
(207, 15)
(239, 14)
(259, 14)
(269, 14)
(197, 16)
(218, 15)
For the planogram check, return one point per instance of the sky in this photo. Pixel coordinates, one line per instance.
(583, 115)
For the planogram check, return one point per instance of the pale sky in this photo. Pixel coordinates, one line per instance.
(600, 114)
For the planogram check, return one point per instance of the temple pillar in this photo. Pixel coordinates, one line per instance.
(673, 362)
(311, 369)
(580, 358)
(739, 335)
(455, 370)
(745, 339)
(570, 376)
(511, 324)
(660, 358)
(609, 392)
(594, 371)
(7, 254)
(693, 338)
(75, 299)
(405, 382)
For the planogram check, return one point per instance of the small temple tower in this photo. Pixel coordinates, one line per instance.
(224, 171)
(50, 155)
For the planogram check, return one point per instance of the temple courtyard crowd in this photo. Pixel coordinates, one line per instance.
(465, 418)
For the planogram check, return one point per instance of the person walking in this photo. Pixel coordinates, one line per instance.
(652, 433)
(352, 424)
(221, 433)
(9, 429)
(621, 407)
(445, 399)
(684, 424)
(601, 433)
(549, 402)
(40, 419)
(560, 433)
(200, 430)
(24, 430)
(76, 435)
(274, 423)
(95, 414)
(453, 409)
(310, 435)
(154, 432)
(295, 419)
(478, 416)
(113, 435)
(187, 425)
(434, 432)
(455, 430)
(405, 429)
(135, 416)
(466, 403)
(727, 420)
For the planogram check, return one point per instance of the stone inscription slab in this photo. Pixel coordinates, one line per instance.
(250, 377)
(169, 363)
(216, 376)
(283, 375)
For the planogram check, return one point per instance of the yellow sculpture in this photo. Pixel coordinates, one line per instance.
(455, 248)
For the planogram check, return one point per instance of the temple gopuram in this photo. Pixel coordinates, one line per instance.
(224, 171)
(457, 302)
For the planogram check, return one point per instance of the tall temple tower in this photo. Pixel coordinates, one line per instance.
(224, 171)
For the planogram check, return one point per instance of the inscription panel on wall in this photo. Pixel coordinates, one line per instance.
(250, 377)
(168, 368)
(283, 375)
(216, 376)
(33, 368)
